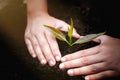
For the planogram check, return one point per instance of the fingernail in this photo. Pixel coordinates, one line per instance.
(51, 63)
(70, 72)
(57, 58)
(63, 59)
(43, 61)
(87, 78)
(33, 55)
(61, 66)
(76, 35)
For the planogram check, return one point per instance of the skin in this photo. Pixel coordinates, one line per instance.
(97, 62)
(40, 42)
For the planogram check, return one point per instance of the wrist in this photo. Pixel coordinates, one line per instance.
(37, 17)
(36, 14)
(36, 8)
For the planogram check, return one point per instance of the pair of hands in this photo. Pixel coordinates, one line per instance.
(95, 63)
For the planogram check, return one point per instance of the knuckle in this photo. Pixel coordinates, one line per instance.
(84, 61)
(93, 69)
(27, 42)
(49, 58)
(31, 51)
(69, 57)
(110, 63)
(48, 55)
(84, 53)
(35, 45)
(47, 52)
(94, 77)
(68, 65)
(38, 51)
(27, 35)
(39, 56)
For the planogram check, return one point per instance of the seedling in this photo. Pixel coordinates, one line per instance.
(61, 36)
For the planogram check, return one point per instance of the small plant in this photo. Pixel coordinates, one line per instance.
(61, 36)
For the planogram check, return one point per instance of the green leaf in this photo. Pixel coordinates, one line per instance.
(57, 33)
(70, 29)
(88, 38)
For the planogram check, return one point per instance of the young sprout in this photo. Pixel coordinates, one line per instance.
(70, 31)
(61, 36)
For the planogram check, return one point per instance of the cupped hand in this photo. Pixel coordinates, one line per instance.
(97, 62)
(40, 42)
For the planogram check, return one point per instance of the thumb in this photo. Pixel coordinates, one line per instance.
(75, 34)
(63, 26)
(65, 29)
(99, 39)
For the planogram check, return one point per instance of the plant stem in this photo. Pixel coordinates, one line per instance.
(71, 44)
(68, 42)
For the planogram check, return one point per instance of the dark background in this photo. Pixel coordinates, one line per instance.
(15, 61)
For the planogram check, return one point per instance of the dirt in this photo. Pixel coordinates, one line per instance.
(12, 25)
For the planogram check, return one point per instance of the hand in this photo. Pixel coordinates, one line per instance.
(40, 42)
(96, 62)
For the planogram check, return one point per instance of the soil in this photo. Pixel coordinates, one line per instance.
(16, 63)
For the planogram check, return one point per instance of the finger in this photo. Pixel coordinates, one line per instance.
(82, 53)
(45, 48)
(38, 51)
(101, 75)
(53, 46)
(75, 34)
(64, 27)
(87, 70)
(100, 38)
(80, 62)
(61, 25)
(30, 48)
